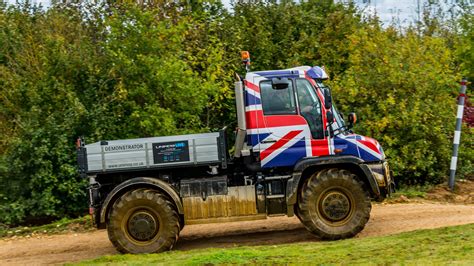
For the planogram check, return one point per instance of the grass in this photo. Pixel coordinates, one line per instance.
(413, 191)
(453, 245)
(61, 226)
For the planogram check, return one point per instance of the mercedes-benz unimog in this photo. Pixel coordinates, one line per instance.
(293, 155)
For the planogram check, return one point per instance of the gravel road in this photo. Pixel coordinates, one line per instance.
(385, 219)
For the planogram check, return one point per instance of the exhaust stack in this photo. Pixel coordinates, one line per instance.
(242, 126)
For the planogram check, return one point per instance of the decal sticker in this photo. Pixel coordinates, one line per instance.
(168, 152)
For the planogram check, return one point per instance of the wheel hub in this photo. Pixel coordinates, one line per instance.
(142, 226)
(335, 206)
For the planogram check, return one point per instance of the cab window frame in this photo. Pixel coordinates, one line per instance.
(314, 88)
(293, 99)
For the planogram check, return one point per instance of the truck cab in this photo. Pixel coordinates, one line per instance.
(290, 117)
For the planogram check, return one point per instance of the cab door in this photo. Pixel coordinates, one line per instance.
(285, 134)
(310, 107)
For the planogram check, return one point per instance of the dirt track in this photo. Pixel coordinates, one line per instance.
(385, 220)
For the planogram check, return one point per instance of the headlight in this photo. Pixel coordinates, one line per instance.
(386, 169)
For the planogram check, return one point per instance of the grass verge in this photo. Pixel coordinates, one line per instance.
(62, 226)
(413, 191)
(438, 246)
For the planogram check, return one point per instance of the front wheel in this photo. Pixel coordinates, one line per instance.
(333, 204)
(143, 221)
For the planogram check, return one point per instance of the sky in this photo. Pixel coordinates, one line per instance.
(403, 11)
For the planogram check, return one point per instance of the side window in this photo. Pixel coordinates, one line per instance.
(310, 107)
(277, 102)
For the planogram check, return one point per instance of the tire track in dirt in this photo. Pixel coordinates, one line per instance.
(385, 220)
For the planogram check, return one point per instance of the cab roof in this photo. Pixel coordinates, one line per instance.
(290, 72)
(315, 72)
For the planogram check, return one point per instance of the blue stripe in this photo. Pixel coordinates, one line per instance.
(280, 73)
(290, 156)
(366, 156)
(349, 148)
(254, 139)
(251, 99)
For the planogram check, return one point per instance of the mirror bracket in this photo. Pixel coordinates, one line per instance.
(327, 99)
(280, 83)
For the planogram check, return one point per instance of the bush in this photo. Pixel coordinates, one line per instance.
(404, 88)
(122, 71)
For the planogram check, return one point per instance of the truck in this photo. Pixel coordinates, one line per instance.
(293, 154)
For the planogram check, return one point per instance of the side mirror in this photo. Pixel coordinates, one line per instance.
(352, 118)
(327, 99)
(341, 115)
(280, 83)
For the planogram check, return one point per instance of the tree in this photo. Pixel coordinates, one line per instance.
(403, 87)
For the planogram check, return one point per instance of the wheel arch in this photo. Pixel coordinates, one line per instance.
(135, 183)
(306, 167)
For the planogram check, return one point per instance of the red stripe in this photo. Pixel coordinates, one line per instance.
(284, 120)
(251, 86)
(370, 144)
(319, 147)
(256, 119)
(290, 135)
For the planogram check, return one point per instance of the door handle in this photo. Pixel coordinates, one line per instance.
(269, 141)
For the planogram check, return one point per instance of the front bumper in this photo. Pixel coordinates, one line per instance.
(382, 175)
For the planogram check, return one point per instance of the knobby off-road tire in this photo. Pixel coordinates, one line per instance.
(143, 221)
(333, 204)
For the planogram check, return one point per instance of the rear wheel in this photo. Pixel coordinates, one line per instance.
(143, 221)
(333, 204)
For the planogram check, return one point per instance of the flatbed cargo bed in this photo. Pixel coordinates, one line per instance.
(154, 152)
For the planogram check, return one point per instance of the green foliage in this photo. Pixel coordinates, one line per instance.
(465, 44)
(403, 88)
(127, 74)
(155, 91)
(42, 63)
(438, 246)
(289, 34)
(108, 71)
(416, 191)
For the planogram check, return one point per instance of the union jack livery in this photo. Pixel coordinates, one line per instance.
(282, 134)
